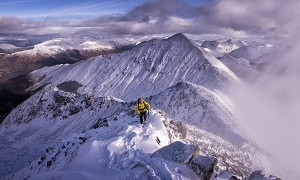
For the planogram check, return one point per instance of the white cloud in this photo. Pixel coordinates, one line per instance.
(269, 18)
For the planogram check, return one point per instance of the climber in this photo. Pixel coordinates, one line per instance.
(141, 108)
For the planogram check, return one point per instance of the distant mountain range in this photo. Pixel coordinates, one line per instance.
(16, 61)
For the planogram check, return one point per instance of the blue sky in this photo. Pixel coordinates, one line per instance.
(70, 9)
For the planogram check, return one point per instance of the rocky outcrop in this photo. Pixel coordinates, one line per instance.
(188, 155)
(177, 152)
(203, 166)
(228, 176)
(100, 123)
(258, 175)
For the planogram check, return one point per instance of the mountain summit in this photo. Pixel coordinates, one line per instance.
(180, 37)
(147, 69)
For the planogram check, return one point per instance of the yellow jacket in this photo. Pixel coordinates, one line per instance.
(142, 107)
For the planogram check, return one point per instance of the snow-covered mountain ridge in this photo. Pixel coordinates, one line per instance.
(60, 118)
(22, 60)
(81, 123)
(52, 114)
(147, 69)
(220, 47)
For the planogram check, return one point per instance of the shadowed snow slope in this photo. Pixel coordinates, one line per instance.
(240, 66)
(145, 70)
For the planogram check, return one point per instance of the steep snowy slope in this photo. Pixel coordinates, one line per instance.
(61, 135)
(147, 69)
(198, 106)
(253, 58)
(220, 47)
(52, 128)
(198, 116)
(240, 66)
(254, 51)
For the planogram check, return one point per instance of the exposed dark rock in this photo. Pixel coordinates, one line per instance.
(62, 100)
(186, 154)
(258, 175)
(75, 110)
(177, 152)
(203, 166)
(83, 139)
(56, 112)
(58, 152)
(49, 149)
(101, 122)
(43, 158)
(157, 140)
(88, 100)
(49, 163)
(234, 178)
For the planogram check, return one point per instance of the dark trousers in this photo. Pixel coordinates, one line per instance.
(143, 117)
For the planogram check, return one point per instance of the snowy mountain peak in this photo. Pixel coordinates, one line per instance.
(179, 37)
(220, 47)
(147, 69)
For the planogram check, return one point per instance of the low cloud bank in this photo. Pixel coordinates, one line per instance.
(268, 18)
(269, 106)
